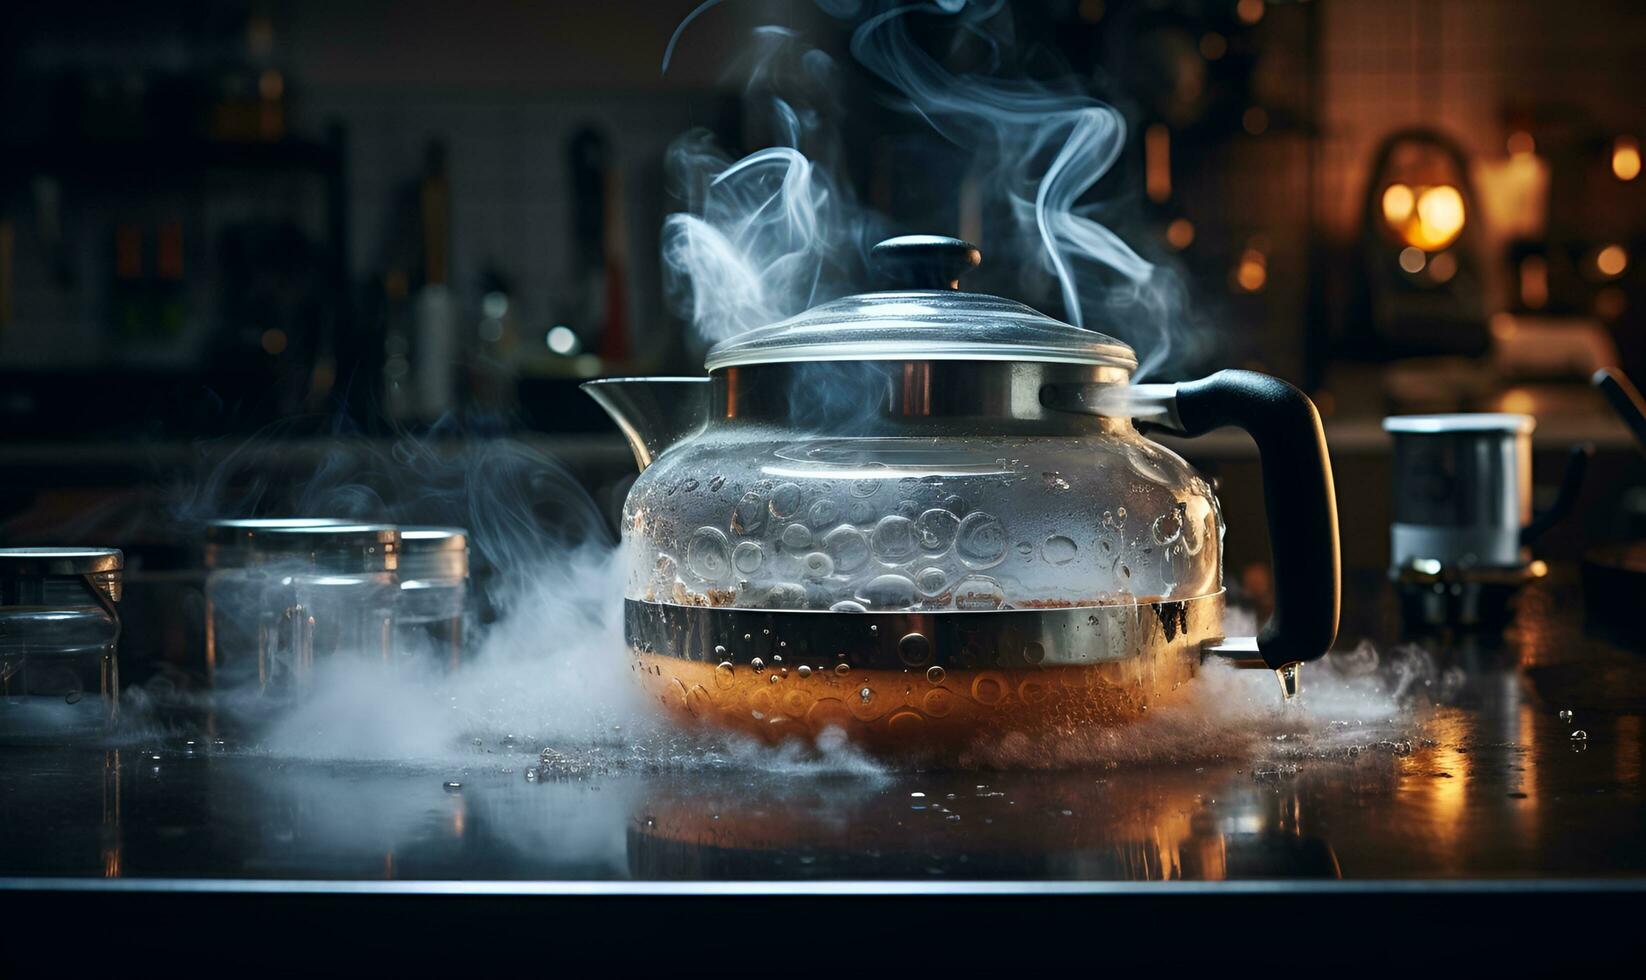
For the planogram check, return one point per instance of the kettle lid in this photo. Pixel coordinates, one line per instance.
(924, 317)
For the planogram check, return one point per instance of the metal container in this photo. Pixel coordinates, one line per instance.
(59, 630)
(923, 515)
(434, 594)
(1462, 489)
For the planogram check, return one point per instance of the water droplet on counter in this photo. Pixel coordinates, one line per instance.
(785, 502)
(981, 540)
(848, 547)
(935, 675)
(1059, 550)
(893, 539)
(747, 556)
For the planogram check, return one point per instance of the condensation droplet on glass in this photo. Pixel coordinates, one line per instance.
(1059, 550)
(785, 501)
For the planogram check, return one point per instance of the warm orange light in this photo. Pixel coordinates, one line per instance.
(1439, 218)
(274, 340)
(1534, 282)
(1611, 261)
(1429, 218)
(1249, 11)
(1626, 158)
(1398, 204)
(1157, 162)
(1180, 234)
(1412, 259)
(1610, 303)
(1252, 274)
(1519, 401)
(1521, 143)
(1213, 45)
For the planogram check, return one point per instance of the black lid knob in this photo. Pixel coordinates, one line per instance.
(924, 261)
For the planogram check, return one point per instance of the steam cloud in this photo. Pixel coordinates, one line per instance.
(771, 234)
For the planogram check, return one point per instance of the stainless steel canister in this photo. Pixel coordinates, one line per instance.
(434, 594)
(1462, 490)
(238, 618)
(59, 629)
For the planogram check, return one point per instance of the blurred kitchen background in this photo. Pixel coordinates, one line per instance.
(238, 239)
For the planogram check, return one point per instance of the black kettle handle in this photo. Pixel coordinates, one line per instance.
(1297, 493)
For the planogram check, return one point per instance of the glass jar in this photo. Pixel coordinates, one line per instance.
(434, 594)
(309, 594)
(237, 616)
(59, 627)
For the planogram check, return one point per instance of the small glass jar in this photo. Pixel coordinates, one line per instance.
(59, 628)
(238, 618)
(333, 592)
(434, 595)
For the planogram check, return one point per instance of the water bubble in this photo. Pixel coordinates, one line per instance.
(887, 592)
(1580, 735)
(866, 488)
(775, 678)
(73, 697)
(803, 670)
(935, 674)
(785, 595)
(757, 664)
(848, 547)
(719, 650)
(823, 512)
(914, 649)
(817, 565)
(842, 669)
(906, 508)
(931, 581)
(865, 695)
(531, 775)
(978, 592)
(725, 675)
(1059, 550)
(1566, 714)
(796, 537)
(453, 786)
(936, 530)
(747, 556)
(1025, 549)
(848, 606)
(981, 540)
(708, 554)
(955, 505)
(785, 502)
(749, 515)
(1168, 527)
(893, 539)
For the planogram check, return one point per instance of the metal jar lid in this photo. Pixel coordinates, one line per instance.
(236, 542)
(340, 548)
(924, 318)
(103, 568)
(428, 552)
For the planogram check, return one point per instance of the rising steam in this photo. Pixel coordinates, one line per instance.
(771, 234)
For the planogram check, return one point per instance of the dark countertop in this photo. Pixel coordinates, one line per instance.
(1473, 786)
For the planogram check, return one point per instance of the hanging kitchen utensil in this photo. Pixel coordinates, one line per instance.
(923, 516)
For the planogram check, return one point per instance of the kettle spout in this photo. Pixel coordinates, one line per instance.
(653, 413)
